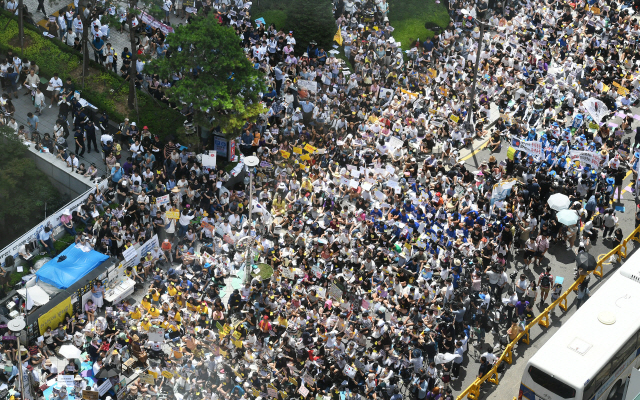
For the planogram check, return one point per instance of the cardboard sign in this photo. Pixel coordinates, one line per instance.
(145, 378)
(167, 374)
(272, 392)
(90, 395)
(162, 200)
(173, 214)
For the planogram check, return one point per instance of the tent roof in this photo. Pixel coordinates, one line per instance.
(75, 264)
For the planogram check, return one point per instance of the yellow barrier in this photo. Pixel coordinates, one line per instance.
(473, 391)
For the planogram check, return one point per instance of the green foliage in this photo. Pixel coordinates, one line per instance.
(54, 56)
(408, 18)
(39, 49)
(228, 87)
(24, 189)
(311, 20)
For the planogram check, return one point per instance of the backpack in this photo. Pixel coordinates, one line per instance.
(546, 281)
(598, 221)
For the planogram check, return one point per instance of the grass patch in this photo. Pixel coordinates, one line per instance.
(273, 16)
(17, 277)
(264, 271)
(408, 17)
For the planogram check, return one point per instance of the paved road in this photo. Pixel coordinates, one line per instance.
(562, 263)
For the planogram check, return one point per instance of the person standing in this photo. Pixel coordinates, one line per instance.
(457, 362)
(610, 222)
(46, 239)
(79, 139)
(90, 130)
(542, 245)
(544, 282)
(583, 293)
(41, 8)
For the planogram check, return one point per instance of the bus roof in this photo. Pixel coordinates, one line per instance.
(584, 339)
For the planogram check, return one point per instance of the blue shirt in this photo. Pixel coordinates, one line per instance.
(44, 236)
(116, 174)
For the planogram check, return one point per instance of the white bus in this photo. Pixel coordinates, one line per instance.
(591, 356)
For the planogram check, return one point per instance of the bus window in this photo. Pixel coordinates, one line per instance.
(622, 354)
(595, 383)
(552, 384)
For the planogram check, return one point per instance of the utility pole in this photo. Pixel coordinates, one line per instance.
(250, 162)
(21, 28)
(472, 98)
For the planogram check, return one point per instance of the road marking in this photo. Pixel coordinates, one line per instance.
(476, 151)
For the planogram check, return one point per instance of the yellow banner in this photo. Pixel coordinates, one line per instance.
(305, 157)
(454, 118)
(511, 152)
(297, 150)
(411, 94)
(310, 148)
(56, 315)
(167, 374)
(285, 154)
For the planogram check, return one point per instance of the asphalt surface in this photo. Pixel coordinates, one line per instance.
(562, 264)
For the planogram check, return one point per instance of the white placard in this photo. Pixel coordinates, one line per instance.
(209, 160)
(104, 388)
(66, 380)
(162, 200)
(310, 86)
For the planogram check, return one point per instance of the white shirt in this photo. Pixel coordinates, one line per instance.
(167, 5)
(55, 83)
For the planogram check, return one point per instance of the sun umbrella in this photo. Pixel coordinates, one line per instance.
(568, 217)
(559, 202)
(443, 358)
(70, 351)
(586, 261)
(106, 373)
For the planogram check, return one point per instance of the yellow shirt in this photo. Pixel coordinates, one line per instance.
(135, 314)
(145, 304)
(155, 296)
(191, 307)
(203, 309)
(178, 317)
(172, 291)
(154, 313)
(279, 205)
(165, 324)
(145, 325)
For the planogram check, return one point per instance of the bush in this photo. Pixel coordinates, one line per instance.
(54, 56)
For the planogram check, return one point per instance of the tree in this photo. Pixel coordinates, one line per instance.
(24, 189)
(133, 10)
(311, 20)
(217, 78)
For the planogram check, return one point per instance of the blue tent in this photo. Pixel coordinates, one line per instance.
(74, 265)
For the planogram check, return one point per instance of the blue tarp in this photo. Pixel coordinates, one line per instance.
(75, 265)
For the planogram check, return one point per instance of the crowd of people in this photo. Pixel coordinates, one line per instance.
(388, 253)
